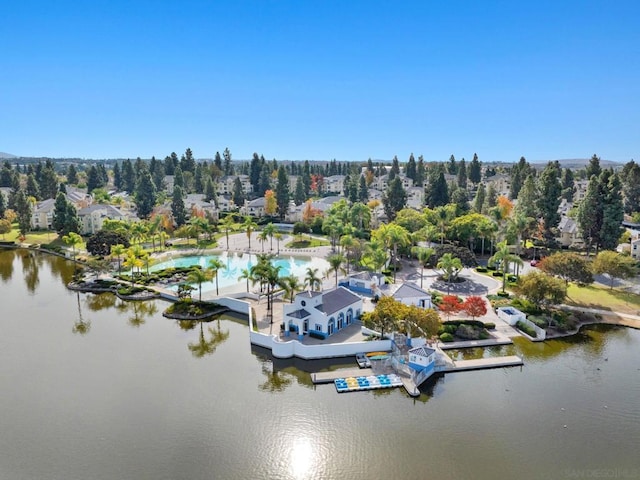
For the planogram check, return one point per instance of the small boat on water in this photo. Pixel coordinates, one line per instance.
(363, 360)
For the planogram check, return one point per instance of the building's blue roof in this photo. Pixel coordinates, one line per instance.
(422, 351)
(302, 313)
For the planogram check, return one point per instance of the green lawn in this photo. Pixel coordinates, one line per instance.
(594, 296)
(32, 237)
(307, 242)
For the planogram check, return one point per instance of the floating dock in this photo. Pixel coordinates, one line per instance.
(372, 382)
(481, 364)
(331, 377)
(492, 342)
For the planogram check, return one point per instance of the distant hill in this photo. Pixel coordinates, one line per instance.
(7, 155)
(576, 163)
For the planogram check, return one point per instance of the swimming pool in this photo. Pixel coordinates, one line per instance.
(234, 263)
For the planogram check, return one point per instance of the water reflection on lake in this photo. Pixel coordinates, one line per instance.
(136, 395)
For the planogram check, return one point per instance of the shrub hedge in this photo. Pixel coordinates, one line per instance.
(526, 329)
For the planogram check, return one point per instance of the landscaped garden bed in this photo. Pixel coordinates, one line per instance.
(188, 309)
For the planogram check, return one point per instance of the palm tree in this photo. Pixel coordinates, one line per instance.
(424, 255)
(262, 237)
(152, 228)
(216, 265)
(451, 267)
(505, 258)
(207, 347)
(246, 274)
(132, 262)
(519, 224)
(278, 236)
(270, 230)
(228, 225)
(443, 217)
(375, 255)
(292, 285)
(199, 276)
(348, 242)
(335, 262)
(72, 240)
(139, 231)
(394, 236)
(117, 251)
(312, 280)
(249, 227)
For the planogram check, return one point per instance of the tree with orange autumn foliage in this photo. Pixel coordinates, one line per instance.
(449, 305)
(505, 206)
(270, 204)
(474, 306)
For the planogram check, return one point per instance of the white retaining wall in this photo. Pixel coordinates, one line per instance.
(294, 348)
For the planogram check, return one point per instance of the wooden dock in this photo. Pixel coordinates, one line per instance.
(474, 344)
(330, 377)
(483, 363)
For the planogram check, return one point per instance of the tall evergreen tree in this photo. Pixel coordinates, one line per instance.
(519, 173)
(460, 197)
(169, 165)
(612, 213)
(394, 199)
(298, 196)
(254, 171)
(59, 212)
(568, 188)
(23, 211)
(452, 167)
(178, 177)
(306, 178)
(72, 174)
(527, 198)
(363, 190)
(145, 193)
(129, 179)
(187, 162)
(549, 199)
(631, 187)
(437, 191)
(590, 213)
(157, 174)
(93, 179)
(238, 193)
(103, 176)
(32, 189)
(217, 162)
(198, 180)
(178, 209)
(491, 198)
(117, 176)
(49, 182)
(412, 168)
(593, 168)
(228, 166)
(475, 170)
(265, 181)
(462, 174)
(420, 172)
(3, 205)
(209, 190)
(282, 192)
(478, 202)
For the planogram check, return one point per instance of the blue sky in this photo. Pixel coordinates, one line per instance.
(321, 79)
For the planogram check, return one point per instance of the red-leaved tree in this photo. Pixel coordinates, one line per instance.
(449, 305)
(474, 307)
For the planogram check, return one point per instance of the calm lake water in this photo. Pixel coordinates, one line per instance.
(94, 388)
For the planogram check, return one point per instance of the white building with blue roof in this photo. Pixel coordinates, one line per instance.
(321, 314)
(422, 359)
